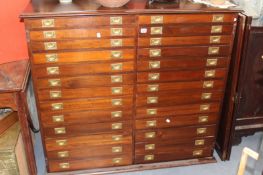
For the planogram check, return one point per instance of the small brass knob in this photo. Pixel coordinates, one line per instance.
(116, 66)
(116, 114)
(49, 34)
(203, 119)
(152, 100)
(117, 160)
(55, 94)
(50, 45)
(64, 165)
(155, 41)
(116, 102)
(216, 29)
(208, 84)
(116, 20)
(154, 64)
(61, 142)
(116, 126)
(156, 19)
(116, 31)
(218, 18)
(51, 58)
(116, 78)
(117, 149)
(199, 142)
(151, 111)
(152, 123)
(48, 23)
(63, 154)
(116, 42)
(210, 73)
(150, 147)
(58, 118)
(155, 52)
(149, 157)
(150, 135)
(198, 153)
(117, 137)
(153, 76)
(57, 106)
(54, 82)
(116, 54)
(156, 30)
(201, 131)
(153, 88)
(60, 130)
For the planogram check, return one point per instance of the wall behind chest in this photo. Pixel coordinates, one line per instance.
(13, 42)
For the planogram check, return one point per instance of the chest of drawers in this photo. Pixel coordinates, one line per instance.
(125, 87)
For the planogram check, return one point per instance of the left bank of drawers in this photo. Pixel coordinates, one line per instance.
(83, 70)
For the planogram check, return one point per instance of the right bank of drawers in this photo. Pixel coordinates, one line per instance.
(182, 64)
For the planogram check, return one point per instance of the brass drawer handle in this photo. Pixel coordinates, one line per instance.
(213, 50)
(156, 19)
(117, 160)
(215, 39)
(51, 58)
(116, 126)
(57, 106)
(203, 119)
(218, 18)
(55, 94)
(155, 41)
(64, 165)
(152, 100)
(48, 23)
(116, 66)
(49, 34)
(149, 157)
(151, 111)
(63, 154)
(60, 130)
(116, 102)
(116, 20)
(54, 82)
(153, 76)
(150, 135)
(116, 114)
(116, 90)
(151, 123)
(116, 42)
(200, 131)
(211, 62)
(58, 118)
(150, 147)
(155, 52)
(117, 149)
(154, 64)
(53, 70)
(156, 30)
(153, 88)
(61, 142)
(216, 29)
(117, 137)
(50, 45)
(199, 142)
(210, 73)
(116, 31)
(116, 54)
(206, 96)
(208, 84)
(116, 78)
(204, 107)
(198, 153)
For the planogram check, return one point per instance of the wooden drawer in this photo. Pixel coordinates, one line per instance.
(104, 32)
(174, 133)
(99, 162)
(188, 75)
(180, 86)
(90, 152)
(83, 56)
(187, 18)
(177, 121)
(182, 63)
(184, 40)
(86, 81)
(185, 30)
(171, 98)
(176, 153)
(177, 110)
(52, 94)
(167, 52)
(88, 104)
(94, 116)
(69, 143)
(81, 22)
(81, 44)
(81, 69)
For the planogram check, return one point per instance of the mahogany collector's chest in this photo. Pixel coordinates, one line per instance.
(128, 86)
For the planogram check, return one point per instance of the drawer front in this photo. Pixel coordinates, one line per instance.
(174, 133)
(92, 151)
(54, 94)
(187, 18)
(86, 81)
(87, 56)
(88, 104)
(179, 86)
(177, 110)
(177, 121)
(81, 22)
(186, 40)
(182, 63)
(105, 32)
(81, 44)
(60, 130)
(81, 69)
(185, 30)
(69, 143)
(85, 117)
(100, 162)
(183, 51)
(190, 75)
